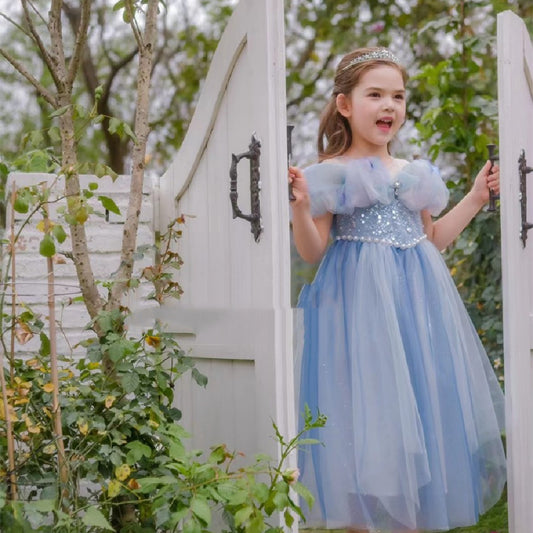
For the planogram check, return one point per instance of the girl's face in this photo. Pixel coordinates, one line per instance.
(375, 109)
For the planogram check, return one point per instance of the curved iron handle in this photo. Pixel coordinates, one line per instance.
(492, 197)
(524, 170)
(290, 127)
(253, 154)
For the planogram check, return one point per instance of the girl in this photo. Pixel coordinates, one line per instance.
(415, 412)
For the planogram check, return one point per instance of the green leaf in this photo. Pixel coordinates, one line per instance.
(137, 450)
(261, 492)
(114, 124)
(257, 524)
(94, 518)
(280, 501)
(36, 138)
(289, 519)
(60, 111)
(130, 382)
(201, 510)
(45, 345)
(304, 492)
(148, 484)
(243, 514)
(59, 233)
(47, 247)
(308, 441)
(218, 455)
(109, 204)
(22, 203)
(117, 350)
(199, 377)
(40, 506)
(192, 526)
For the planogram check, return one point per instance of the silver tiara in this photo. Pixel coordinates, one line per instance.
(382, 53)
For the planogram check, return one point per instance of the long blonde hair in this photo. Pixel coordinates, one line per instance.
(334, 133)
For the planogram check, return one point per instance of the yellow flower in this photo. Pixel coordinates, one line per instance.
(122, 472)
(21, 401)
(93, 365)
(83, 426)
(32, 428)
(49, 449)
(109, 401)
(12, 415)
(113, 488)
(152, 340)
(48, 387)
(41, 225)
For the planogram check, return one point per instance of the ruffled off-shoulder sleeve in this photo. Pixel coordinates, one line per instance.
(338, 189)
(422, 187)
(325, 182)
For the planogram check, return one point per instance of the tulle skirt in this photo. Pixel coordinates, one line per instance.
(415, 412)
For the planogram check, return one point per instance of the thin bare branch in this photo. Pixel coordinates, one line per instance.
(142, 130)
(319, 75)
(22, 29)
(81, 39)
(133, 23)
(21, 69)
(36, 11)
(116, 67)
(62, 462)
(38, 41)
(306, 54)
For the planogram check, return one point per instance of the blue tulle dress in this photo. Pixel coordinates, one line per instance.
(390, 356)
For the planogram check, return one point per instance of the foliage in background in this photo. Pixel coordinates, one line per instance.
(459, 122)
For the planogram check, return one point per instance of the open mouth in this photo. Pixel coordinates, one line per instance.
(384, 123)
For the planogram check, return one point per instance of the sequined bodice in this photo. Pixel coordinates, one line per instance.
(370, 204)
(390, 224)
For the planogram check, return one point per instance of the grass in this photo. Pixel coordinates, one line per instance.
(495, 521)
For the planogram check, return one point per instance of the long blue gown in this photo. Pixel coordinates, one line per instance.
(390, 356)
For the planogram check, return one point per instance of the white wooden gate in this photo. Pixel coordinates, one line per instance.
(235, 314)
(515, 86)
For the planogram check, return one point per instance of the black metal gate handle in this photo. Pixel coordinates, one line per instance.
(524, 170)
(253, 154)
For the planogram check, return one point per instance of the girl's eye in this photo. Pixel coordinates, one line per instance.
(399, 97)
(374, 95)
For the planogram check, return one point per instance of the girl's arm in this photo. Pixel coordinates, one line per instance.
(310, 234)
(445, 230)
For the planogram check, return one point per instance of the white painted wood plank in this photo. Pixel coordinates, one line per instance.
(516, 134)
(242, 246)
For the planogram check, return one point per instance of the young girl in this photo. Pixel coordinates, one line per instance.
(415, 412)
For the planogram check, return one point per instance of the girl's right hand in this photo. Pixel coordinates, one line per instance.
(299, 189)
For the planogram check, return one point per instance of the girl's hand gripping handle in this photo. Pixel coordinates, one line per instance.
(492, 195)
(299, 189)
